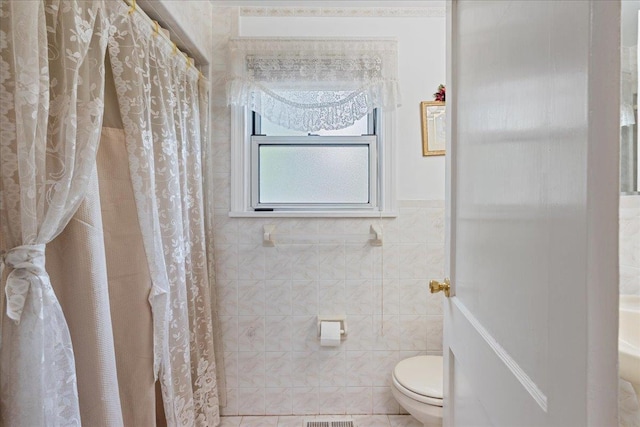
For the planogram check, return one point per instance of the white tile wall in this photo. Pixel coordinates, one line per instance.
(270, 297)
(629, 245)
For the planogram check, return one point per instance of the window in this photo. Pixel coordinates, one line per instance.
(334, 169)
(312, 127)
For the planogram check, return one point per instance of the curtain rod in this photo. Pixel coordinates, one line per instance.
(156, 29)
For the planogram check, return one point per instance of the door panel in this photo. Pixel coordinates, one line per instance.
(529, 212)
(470, 411)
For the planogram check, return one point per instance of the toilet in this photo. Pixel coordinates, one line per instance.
(417, 386)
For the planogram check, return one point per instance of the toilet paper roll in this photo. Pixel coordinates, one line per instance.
(329, 334)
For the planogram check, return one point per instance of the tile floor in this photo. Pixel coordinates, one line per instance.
(298, 421)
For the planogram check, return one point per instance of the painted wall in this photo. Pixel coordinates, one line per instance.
(629, 12)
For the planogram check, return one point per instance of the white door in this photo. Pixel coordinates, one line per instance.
(531, 324)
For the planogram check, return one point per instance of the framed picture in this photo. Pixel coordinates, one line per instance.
(433, 128)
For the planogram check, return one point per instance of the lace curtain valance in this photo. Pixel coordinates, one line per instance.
(312, 84)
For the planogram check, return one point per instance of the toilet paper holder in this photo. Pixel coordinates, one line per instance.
(336, 318)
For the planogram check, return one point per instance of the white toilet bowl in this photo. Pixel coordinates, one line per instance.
(417, 386)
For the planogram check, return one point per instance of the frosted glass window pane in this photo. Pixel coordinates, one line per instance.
(314, 174)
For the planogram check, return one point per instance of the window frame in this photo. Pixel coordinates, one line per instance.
(240, 197)
(370, 141)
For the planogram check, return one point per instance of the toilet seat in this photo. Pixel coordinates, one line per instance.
(420, 378)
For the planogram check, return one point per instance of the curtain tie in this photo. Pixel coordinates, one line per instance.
(26, 264)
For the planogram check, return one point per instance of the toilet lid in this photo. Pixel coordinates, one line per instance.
(421, 375)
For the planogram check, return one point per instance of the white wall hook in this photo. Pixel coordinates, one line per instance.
(377, 230)
(267, 235)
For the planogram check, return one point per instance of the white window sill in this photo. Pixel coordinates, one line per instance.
(316, 214)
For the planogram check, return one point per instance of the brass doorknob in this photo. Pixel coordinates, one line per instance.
(436, 286)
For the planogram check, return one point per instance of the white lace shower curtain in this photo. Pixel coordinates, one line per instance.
(313, 84)
(52, 56)
(161, 115)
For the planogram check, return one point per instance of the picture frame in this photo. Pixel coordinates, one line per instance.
(433, 119)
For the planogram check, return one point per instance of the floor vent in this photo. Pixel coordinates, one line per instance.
(329, 424)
